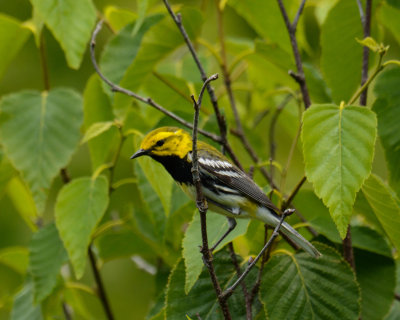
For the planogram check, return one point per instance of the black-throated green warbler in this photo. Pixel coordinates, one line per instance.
(228, 190)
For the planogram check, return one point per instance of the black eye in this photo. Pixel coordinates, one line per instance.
(160, 143)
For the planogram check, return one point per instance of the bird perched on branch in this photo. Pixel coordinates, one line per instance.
(227, 189)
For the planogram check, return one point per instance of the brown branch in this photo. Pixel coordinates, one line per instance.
(348, 249)
(242, 284)
(100, 287)
(366, 21)
(274, 121)
(202, 206)
(228, 292)
(148, 101)
(292, 27)
(265, 258)
(220, 118)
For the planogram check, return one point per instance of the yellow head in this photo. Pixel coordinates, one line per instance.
(165, 141)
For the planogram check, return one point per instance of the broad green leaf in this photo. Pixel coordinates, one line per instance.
(46, 256)
(159, 179)
(97, 108)
(120, 51)
(7, 172)
(266, 19)
(119, 17)
(370, 43)
(23, 202)
(376, 275)
(341, 55)
(124, 243)
(297, 286)
(71, 23)
(387, 210)
(202, 298)
(394, 3)
(159, 42)
(96, 129)
(394, 311)
(389, 17)
(12, 37)
(79, 207)
(16, 258)
(387, 108)
(40, 132)
(276, 55)
(217, 225)
(317, 215)
(338, 148)
(24, 307)
(317, 87)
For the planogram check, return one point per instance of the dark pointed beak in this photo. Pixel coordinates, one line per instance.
(139, 153)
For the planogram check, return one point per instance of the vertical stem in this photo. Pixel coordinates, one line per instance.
(100, 286)
(247, 298)
(348, 249)
(43, 63)
(367, 31)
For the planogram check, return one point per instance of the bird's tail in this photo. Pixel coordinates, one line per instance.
(272, 219)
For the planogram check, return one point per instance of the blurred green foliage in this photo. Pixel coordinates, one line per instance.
(58, 196)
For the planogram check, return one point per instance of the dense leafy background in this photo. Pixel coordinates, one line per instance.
(135, 216)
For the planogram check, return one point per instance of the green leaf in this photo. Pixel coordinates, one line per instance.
(96, 129)
(217, 225)
(16, 258)
(23, 202)
(387, 108)
(7, 172)
(297, 286)
(338, 148)
(159, 42)
(370, 43)
(394, 3)
(71, 23)
(202, 298)
(394, 311)
(24, 307)
(119, 17)
(122, 49)
(12, 37)
(387, 210)
(341, 55)
(79, 207)
(389, 17)
(266, 19)
(124, 243)
(97, 108)
(376, 275)
(160, 181)
(46, 256)
(40, 132)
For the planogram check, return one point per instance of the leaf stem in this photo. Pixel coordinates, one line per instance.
(100, 286)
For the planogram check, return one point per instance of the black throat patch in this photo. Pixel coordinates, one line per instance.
(179, 169)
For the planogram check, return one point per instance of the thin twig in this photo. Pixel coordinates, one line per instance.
(148, 101)
(100, 287)
(228, 292)
(66, 311)
(348, 249)
(292, 27)
(242, 284)
(220, 118)
(274, 121)
(202, 206)
(239, 132)
(293, 194)
(366, 21)
(43, 62)
(264, 259)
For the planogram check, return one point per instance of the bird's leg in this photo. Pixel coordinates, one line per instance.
(231, 225)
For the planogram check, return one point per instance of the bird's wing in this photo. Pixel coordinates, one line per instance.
(231, 176)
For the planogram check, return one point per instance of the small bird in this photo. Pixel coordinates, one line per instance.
(227, 189)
